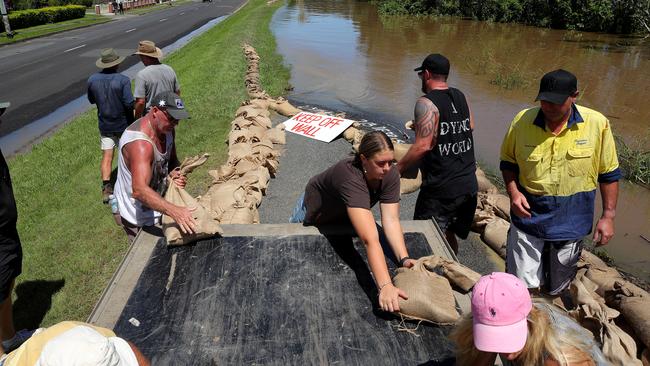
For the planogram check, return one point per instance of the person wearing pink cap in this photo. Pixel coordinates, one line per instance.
(505, 321)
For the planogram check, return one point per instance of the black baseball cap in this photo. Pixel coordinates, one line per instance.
(171, 102)
(556, 86)
(436, 63)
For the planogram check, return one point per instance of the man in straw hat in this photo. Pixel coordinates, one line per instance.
(111, 92)
(11, 255)
(154, 79)
(147, 158)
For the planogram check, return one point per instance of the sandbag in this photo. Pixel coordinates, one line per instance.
(634, 307)
(410, 181)
(599, 272)
(283, 107)
(240, 123)
(251, 111)
(262, 121)
(430, 297)
(207, 220)
(192, 162)
(495, 235)
(239, 151)
(263, 148)
(276, 135)
(400, 150)
(246, 164)
(458, 275)
(261, 103)
(232, 193)
(223, 173)
(238, 136)
(262, 175)
(257, 132)
(409, 125)
(349, 133)
(618, 347)
(499, 203)
(241, 215)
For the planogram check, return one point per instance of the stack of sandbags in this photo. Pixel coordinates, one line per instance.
(254, 87)
(207, 218)
(411, 179)
(632, 301)
(430, 297)
(592, 313)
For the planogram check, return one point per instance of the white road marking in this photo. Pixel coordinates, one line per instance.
(130, 30)
(181, 13)
(162, 20)
(74, 48)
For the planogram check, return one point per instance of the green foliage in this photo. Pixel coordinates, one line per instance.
(31, 17)
(37, 4)
(617, 16)
(634, 159)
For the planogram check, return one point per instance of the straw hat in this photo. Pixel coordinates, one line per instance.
(109, 58)
(148, 48)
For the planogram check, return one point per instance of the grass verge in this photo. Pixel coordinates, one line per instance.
(70, 242)
(45, 29)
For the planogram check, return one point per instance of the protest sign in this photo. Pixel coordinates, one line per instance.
(317, 126)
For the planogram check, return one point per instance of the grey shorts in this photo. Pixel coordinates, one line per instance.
(538, 262)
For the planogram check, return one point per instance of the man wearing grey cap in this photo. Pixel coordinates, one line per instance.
(111, 92)
(444, 148)
(553, 158)
(147, 157)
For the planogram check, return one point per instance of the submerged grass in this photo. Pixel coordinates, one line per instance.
(71, 244)
(634, 159)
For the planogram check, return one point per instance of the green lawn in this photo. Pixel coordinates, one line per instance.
(71, 244)
(45, 29)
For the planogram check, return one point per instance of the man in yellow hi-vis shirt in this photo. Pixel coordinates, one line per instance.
(553, 158)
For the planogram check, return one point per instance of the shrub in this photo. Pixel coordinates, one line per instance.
(31, 17)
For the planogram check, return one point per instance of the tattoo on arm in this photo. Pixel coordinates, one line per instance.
(425, 117)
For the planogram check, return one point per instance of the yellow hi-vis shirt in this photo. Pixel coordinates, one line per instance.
(559, 174)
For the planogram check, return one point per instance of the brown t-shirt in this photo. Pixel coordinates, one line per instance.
(330, 193)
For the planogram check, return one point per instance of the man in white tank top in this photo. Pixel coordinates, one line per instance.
(147, 155)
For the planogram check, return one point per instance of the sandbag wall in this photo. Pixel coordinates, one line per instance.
(239, 184)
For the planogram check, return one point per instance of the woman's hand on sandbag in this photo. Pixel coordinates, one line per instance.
(389, 297)
(178, 178)
(408, 263)
(183, 217)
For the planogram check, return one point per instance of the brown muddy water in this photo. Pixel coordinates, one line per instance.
(344, 56)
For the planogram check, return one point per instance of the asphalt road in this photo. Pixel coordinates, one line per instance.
(40, 75)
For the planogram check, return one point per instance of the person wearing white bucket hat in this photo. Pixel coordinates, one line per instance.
(154, 79)
(111, 92)
(76, 343)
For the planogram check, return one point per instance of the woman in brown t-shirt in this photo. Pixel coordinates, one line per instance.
(344, 194)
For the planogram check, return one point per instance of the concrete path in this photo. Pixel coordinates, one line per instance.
(304, 158)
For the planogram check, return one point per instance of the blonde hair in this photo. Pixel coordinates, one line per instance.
(542, 343)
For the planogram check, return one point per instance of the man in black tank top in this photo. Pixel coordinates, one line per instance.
(444, 148)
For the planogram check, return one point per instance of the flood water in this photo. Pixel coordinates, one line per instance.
(344, 56)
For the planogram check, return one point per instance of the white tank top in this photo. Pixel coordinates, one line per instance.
(131, 209)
